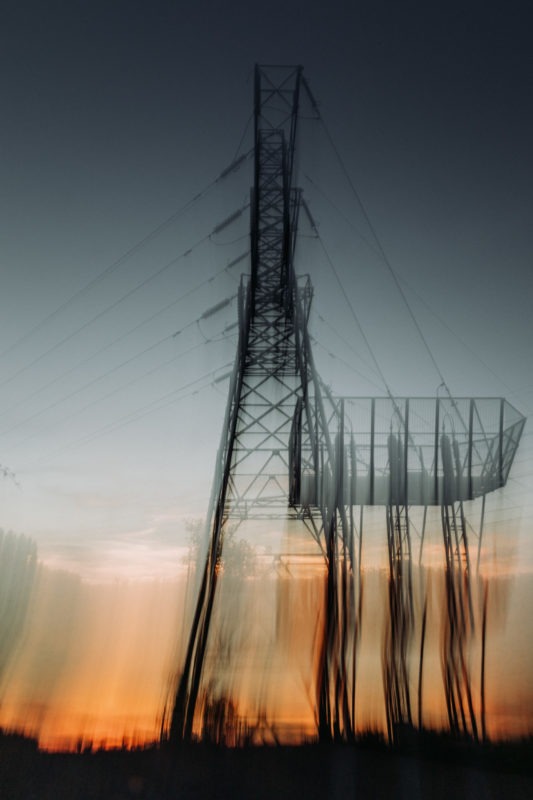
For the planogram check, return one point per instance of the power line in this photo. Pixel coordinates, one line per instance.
(401, 278)
(109, 308)
(344, 362)
(359, 326)
(385, 260)
(154, 405)
(381, 250)
(345, 341)
(123, 336)
(343, 216)
(235, 165)
(122, 387)
(100, 314)
(114, 369)
(352, 310)
(459, 339)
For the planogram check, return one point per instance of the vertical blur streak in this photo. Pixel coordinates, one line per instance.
(459, 626)
(399, 626)
(18, 564)
(483, 651)
(280, 623)
(337, 670)
(91, 664)
(400, 622)
(83, 664)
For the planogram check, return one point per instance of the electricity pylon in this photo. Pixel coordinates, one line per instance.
(275, 429)
(291, 450)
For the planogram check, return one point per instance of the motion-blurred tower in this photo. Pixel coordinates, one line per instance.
(291, 450)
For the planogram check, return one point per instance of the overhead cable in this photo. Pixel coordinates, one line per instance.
(343, 361)
(350, 306)
(120, 388)
(100, 314)
(114, 369)
(218, 307)
(228, 221)
(373, 231)
(155, 405)
(237, 260)
(456, 335)
(109, 308)
(343, 216)
(345, 341)
(234, 166)
(118, 339)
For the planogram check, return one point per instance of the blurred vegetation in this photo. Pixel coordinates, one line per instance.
(18, 568)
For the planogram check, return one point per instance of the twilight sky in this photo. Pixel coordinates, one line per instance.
(117, 114)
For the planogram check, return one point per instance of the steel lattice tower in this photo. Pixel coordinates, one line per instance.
(291, 450)
(275, 396)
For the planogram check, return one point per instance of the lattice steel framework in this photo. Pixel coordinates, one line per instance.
(289, 449)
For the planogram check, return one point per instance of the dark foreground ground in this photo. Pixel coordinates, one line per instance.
(431, 769)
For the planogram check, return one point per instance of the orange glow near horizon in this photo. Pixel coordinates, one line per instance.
(96, 663)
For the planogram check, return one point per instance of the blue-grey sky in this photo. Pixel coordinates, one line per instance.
(117, 114)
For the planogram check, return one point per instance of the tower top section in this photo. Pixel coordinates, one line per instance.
(276, 104)
(274, 201)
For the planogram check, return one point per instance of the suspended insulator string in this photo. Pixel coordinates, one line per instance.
(235, 165)
(109, 308)
(155, 405)
(240, 238)
(237, 260)
(218, 307)
(208, 313)
(120, 338)
(131, 359)
(382, 252)
(228, 221)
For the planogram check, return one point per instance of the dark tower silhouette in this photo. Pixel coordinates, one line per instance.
(291, 450)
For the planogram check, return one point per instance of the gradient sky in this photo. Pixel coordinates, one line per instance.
(116, 114)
